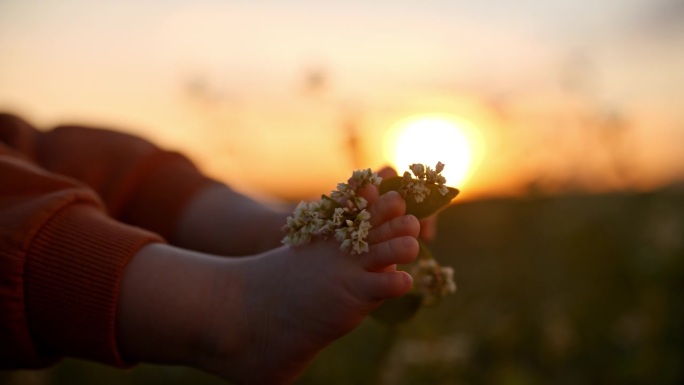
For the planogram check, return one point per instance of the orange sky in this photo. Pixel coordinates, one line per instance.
(263, 94)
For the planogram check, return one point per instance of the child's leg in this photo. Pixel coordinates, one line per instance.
(263, 319)
(301, 299)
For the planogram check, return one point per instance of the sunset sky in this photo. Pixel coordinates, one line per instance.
(269, 95)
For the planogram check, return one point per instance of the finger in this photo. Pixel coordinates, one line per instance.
(370, 193)
(381, 286)
(387, 172)
(400, 250)
(386, 207)
(428, 228)
(389, 268)
(395, 227)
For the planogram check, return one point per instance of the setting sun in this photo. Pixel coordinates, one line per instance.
(431, 138)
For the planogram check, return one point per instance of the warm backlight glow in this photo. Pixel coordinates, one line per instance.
(428, 139)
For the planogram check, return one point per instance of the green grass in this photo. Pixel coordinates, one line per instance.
(556, 290)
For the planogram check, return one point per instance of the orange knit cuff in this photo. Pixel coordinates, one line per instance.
(72, 279)
(163, 193)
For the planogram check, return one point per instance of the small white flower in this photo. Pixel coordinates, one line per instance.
(349, 224)
(359, 246)
(360, 202)
(407, 178)
(363, 229)
(432, 280)
(425, 176)
(448, 278)
(417, 189)
(430, 176)
(363, 216)
(359, 176)
(362, 178)
(341, 234)
(346, 246)
(307, 220)
(418, 170)
(341, 193)
(338, 216)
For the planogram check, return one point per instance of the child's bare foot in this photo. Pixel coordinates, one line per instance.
(298, 300)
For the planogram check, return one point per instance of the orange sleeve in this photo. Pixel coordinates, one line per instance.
(61, 262)
(139, 183)
(62, 255)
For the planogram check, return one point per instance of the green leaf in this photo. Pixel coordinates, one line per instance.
(398, 310)
(333, 202)
(424, 251)
(433, 203)
(390, 184)
(333, 205)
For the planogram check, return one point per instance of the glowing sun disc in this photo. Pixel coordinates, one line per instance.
(428, 139)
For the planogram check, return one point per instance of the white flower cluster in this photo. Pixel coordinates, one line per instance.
(434, 281)
(425, 177)
(343, 216)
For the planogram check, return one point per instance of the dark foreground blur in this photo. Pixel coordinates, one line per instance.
(552, 290)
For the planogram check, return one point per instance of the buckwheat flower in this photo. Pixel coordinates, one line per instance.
(359, 202)
(431, 176)
(351, 205)
(338, 216)
(432, 280)
(426, 281)
(342, 192)
(343, 216)
(346, 192)
(427, 264)
(325, 204)
(415, 188)
(363, 216)
(406, 178)
(359, 246)
(448, 278)
(346, 246)
(296, 238)
(305, 222)
(362, 178)
(418, 170)
(326, 229)
(435, 178)
(359, 176)
(375, 179)
(353, 233)
(363, 226)
(342, 234)
(356, 243)
(363, 229)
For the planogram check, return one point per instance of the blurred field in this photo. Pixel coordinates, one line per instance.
(572, 289)
(558, 290)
